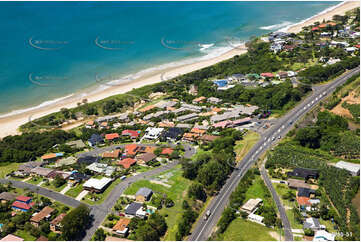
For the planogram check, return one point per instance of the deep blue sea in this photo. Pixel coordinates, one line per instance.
(49, 50)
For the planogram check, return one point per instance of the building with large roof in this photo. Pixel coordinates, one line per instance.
(97, 185)
(352, 168)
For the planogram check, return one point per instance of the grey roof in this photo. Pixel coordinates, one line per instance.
(187, 117)
(144, 191)
(7, 196)
(77, 143)
(314, 225)
(165, 104)
(133, 208)
(30, 165)
(192, 107)
(184, 126)
(41, 171)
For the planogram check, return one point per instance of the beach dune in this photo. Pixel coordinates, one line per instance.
(9, 124)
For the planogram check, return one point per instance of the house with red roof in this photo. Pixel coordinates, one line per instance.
(267, 75)
(127, 162)
(22, 203)
(167, 151)
(112, 136)
(131, 150)
(131, 133)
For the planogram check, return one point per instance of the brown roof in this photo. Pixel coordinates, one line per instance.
(7, 196)
(127, 162)
(208, 137)
(297, 183)
(121, 224)
(42, 214)
(146, 157)
(41, 171)
(58, 219)
(113, 154)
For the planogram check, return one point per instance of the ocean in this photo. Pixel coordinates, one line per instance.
(50, 50)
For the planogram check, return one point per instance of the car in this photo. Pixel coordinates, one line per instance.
(283, 182)
(123, 177)
(273, 138)
(206, 216)
(279, 137)
(324, 93)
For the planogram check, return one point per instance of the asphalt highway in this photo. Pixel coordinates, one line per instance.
(204, 228)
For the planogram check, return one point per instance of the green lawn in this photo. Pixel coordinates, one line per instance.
(243, 230)
(256, 190)
(35, 180)
(25, 235)
(177, 192)
(243, 146)
(52, 187)
(74, 191)
(291, 218)
(5, 169)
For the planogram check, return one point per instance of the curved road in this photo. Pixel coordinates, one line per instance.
(285, 222)
(204, 228)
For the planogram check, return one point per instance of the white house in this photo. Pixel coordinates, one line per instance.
(255, 218)
(352, 168)
(322, 235)
(153, 133)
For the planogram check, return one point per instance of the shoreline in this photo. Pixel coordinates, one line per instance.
(11, 121)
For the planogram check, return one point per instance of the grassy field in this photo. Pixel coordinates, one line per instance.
(243, 146)
(356, 202)
(52, 187)
(35, 180)
(256, 190)
(177, 192)
(243, 230)
(74, 191)
(25, 235)
(5, 169)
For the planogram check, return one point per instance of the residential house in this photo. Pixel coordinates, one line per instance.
(305, 192)
(41, 171)
(167, 151)
(101, 168)
(322, 235)
(55, 224)
(199, 100)
(267, 75)
(133, 134)
(173, 134)
(135, 209)
(165, 104)
(190, 137)
(166, 124)
(127, 163)
(303, 202)
(208, 138)
(313, 224)
(295, 184)
(28, 166)
(79, 144)
(112, 155)
(146, 157)
(65, 161)
(121, 227)
(112, 136)
(251, 205)
(184, 126)
(88, 159)
(352, 168)
(237, 77)
(11, 237)
(214, 100)
(198, 131)
(95, 139)
(22, 203)
(131, 150)
(304, 173)
(153, 133)
(143, 194)
(282, 74)
(90, 124)
(77, 177)
(45, 213)
(97, 185)
(193, 90)
(7, 197)
(255, 218)
(187, 117)
(51, 157)
(62, 174)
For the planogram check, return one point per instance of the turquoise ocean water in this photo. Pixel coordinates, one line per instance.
(49, 50)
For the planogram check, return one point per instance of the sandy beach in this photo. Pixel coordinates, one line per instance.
(339, 10)
(10, 124)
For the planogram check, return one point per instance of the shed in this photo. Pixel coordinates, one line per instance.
(143, 194)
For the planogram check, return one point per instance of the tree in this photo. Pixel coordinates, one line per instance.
(75, 222)
(196, 191)
(309, 137)
(99, 235)
(146, 233)
(59, 181)
(157, 222)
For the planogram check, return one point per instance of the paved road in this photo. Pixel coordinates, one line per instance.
(99, 212)
(43, 191)
(203, 229)
(285, 222)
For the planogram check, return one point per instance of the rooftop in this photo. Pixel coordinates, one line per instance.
(98, 184)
